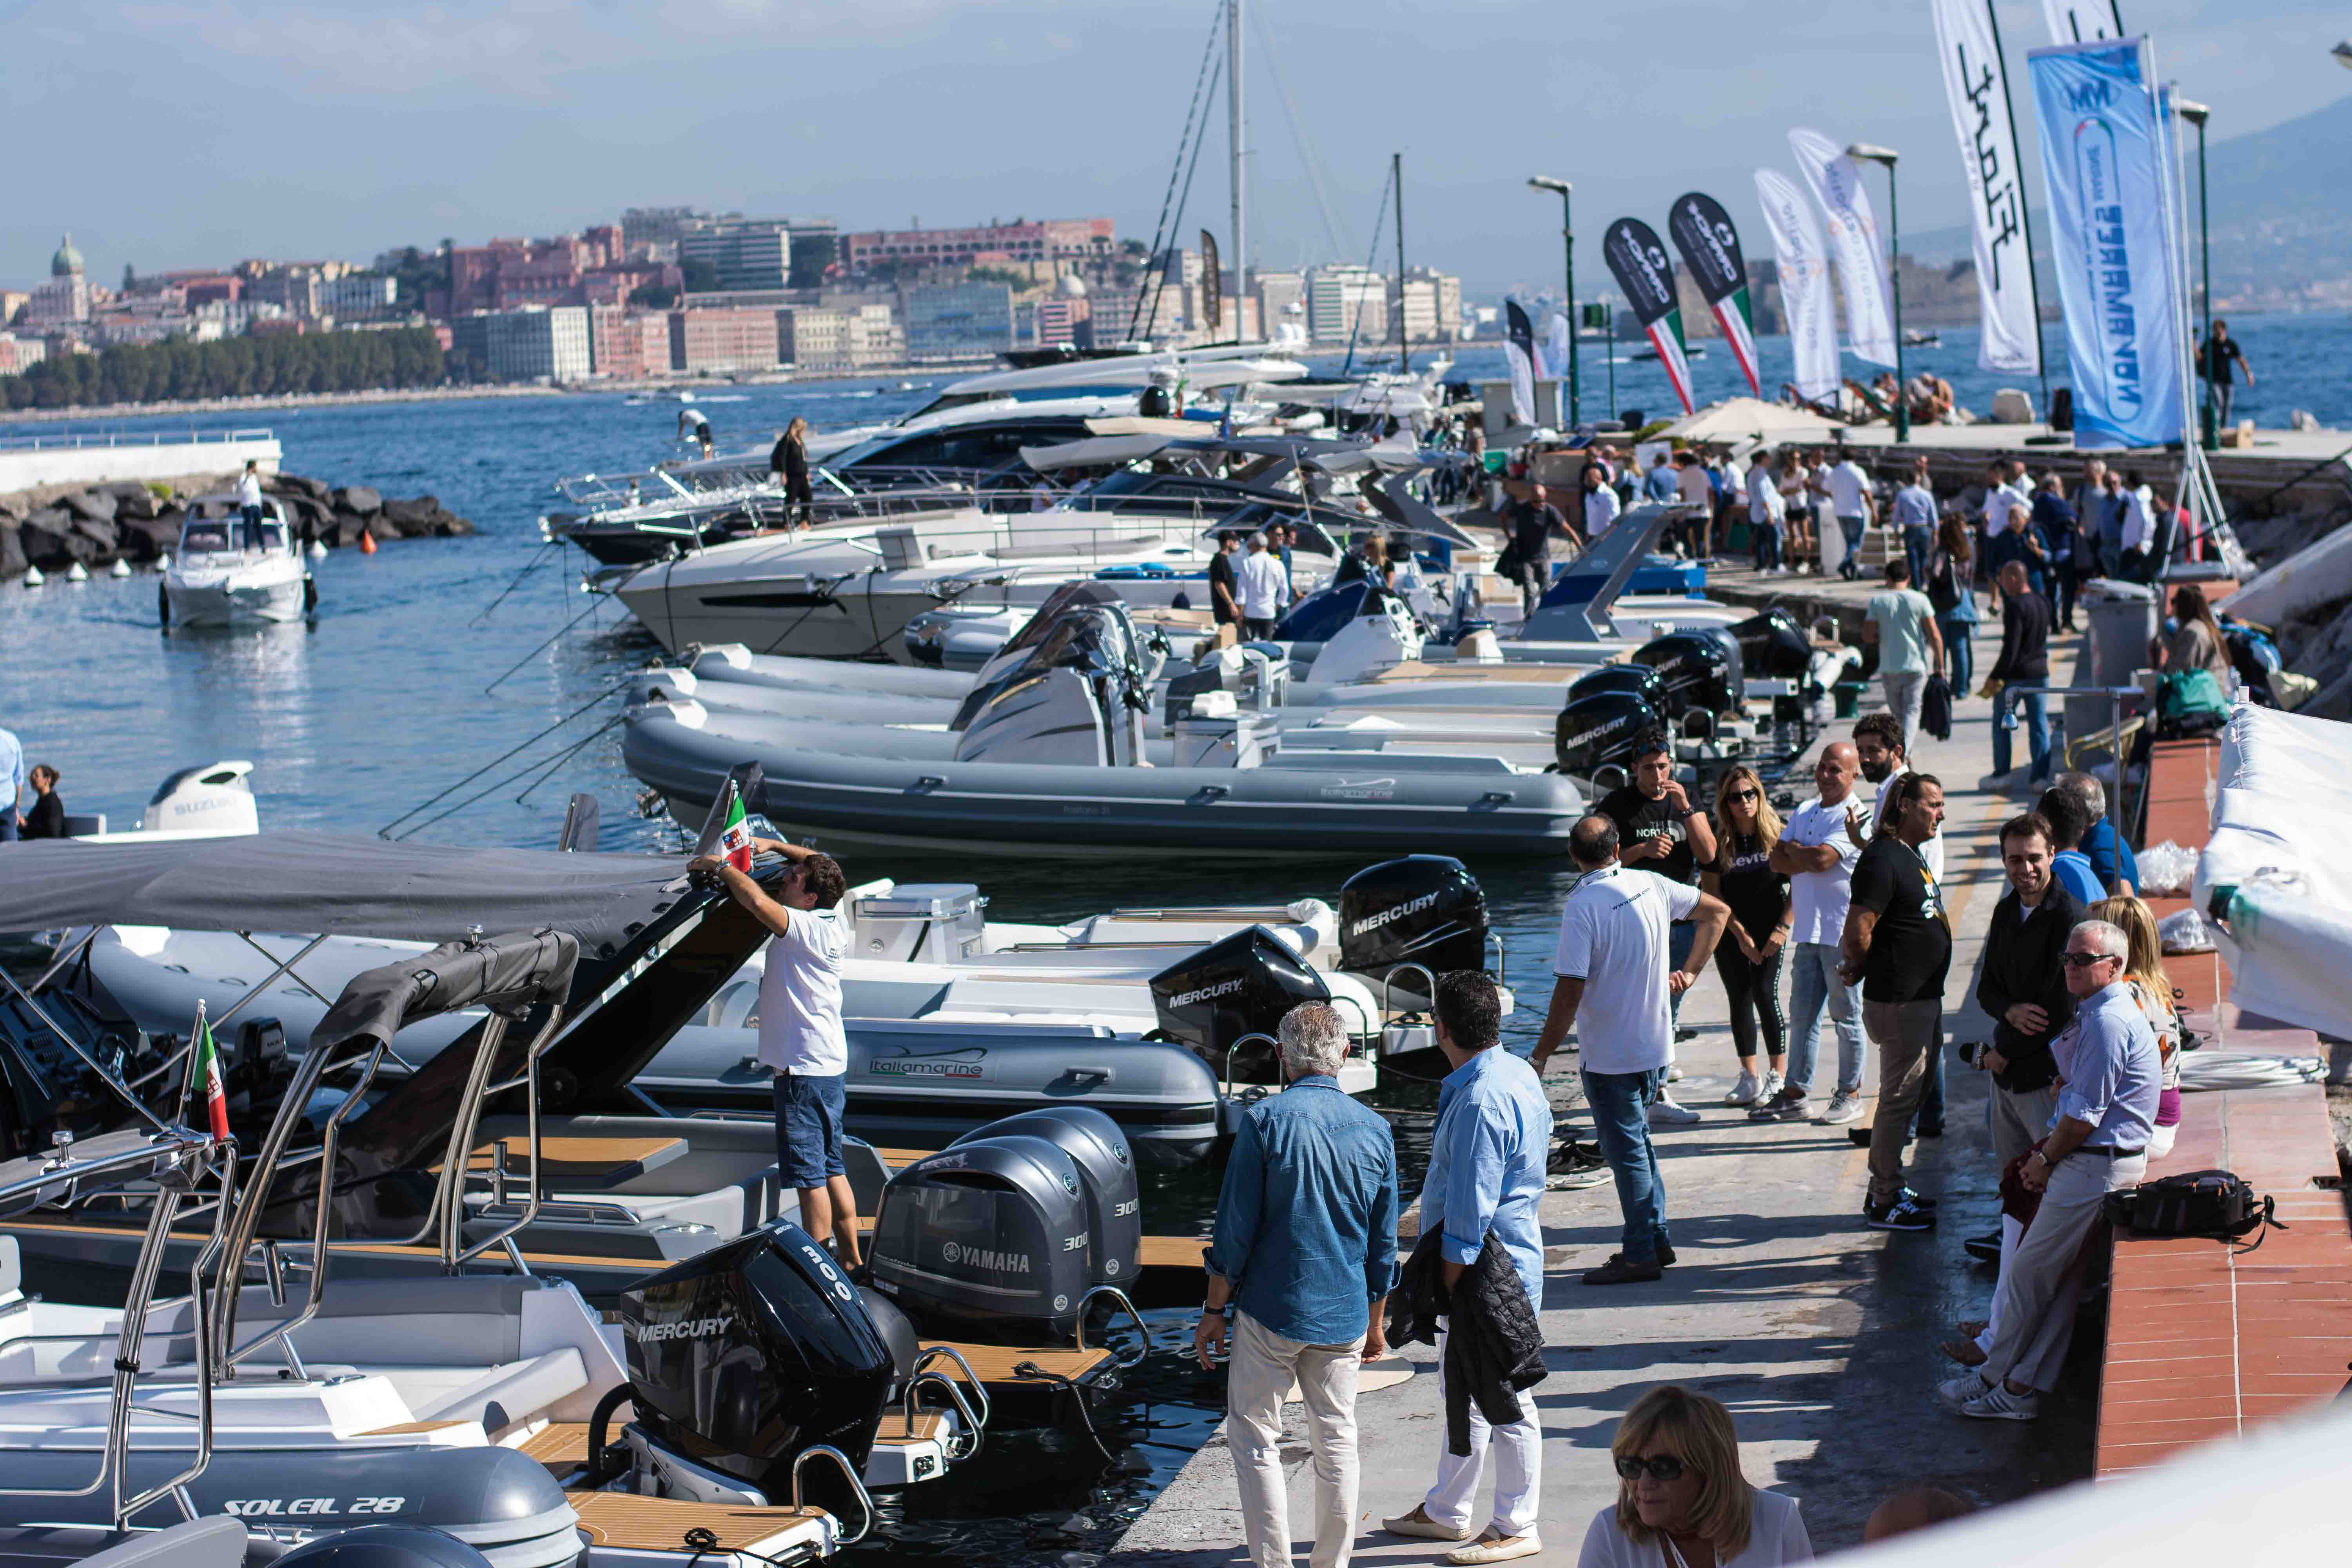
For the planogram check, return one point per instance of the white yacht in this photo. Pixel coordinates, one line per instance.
(229, 572)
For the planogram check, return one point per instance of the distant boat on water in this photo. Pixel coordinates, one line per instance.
(1922, 338)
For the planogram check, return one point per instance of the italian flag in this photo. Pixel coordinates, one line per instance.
(208, 1068)
(735, 838)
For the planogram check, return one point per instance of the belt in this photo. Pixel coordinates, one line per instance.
(2108, 1150)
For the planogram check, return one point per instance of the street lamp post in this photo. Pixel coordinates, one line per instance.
(1867, 153)
(2196, 113)
(1567, 246)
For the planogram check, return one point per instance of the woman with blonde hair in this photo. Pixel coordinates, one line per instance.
(1748, 959)
(2152, 989)
(789, 462)
(1680, 1500)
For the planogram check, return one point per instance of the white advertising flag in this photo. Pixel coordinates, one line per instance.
(1804, 268)
(1976, 81)
(2082, 21)
(1855, 247)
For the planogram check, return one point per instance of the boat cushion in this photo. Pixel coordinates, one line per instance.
(12, 1269)
(463, 1320)
(215, 1542)
(505, 1394)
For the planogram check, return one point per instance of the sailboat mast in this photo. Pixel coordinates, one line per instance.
(1234, 127)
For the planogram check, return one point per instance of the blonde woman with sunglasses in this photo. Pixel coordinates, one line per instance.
(1748, 958)
(1682, 1501)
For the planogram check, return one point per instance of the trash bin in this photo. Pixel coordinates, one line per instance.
(2123, 622)
(1847, 694)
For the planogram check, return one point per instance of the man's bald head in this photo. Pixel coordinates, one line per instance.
(2013, 579)
(1834, 775)
(1915, 1509)
(1592, 842)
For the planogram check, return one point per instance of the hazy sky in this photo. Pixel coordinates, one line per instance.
(172, 133)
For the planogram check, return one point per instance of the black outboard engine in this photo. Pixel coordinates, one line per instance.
(987, 1240)
(1242, 985)
(1424, 909)
(745, 1356)
(1701, 670)
(1106, 1179)
(1075, 696)
(1772, 646)
(1638, 678)
(1597, 731)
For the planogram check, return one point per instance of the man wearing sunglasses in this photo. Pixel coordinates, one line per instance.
(2106, 1114)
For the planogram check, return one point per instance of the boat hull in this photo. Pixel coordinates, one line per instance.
(235, 604)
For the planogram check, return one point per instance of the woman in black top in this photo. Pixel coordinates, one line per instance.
(46, 819)
(789, 463)
(1746, 827)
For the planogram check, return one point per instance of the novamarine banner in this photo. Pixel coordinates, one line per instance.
(2102, 163)
(1639, 262)
(1855, 247)
(1975, 82)
(1804, 265)
(1710, 248)
(1519, 354)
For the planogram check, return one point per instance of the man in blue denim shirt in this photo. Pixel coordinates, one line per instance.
(1304, 1255)
(1485, 1174)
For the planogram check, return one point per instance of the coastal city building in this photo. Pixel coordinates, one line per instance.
(722, 340)
(743, 253)
(625, 344)
(1090, 240)
(1432, 303)
(538, 342)
(65, 298)
(959, 320)
(19, 353)
(1346, 303)
(360, 294)
(850, 336)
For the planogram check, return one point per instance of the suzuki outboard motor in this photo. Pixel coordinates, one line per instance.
(1425, 909)
(743, 1357)
(1241, 985)
(1598, 731)
(1105, 1177)
(1701, 670)
(987, 1240)
(1638, 678)
(1772, 646)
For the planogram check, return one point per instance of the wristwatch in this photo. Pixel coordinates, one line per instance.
(1224, 1311)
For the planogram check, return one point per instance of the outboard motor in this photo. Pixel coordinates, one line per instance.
(215, 799)
(1700, 669)
(1076, 698)
(1105, 1177)
(745, 1356)
(1638, 678)
(1424, 909)
(1383, 635)
(1242, 985)
(1597, 731)
(987, 1240)
(1772, 646)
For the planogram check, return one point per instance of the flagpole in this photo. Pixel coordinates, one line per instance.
(2024, 212)
(188, 1081)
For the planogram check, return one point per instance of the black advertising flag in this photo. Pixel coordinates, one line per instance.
(1703, 232)
(1213, 285)
(1639, 262)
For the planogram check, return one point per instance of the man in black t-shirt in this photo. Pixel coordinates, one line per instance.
(1225, 589)
(1531, 523)
(1898, 945)
(1660, 831)
(2215, 358)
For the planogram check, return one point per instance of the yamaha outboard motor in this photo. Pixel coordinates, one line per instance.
(743, 1357)
(1597, 731)
(1701, 670)
(1424, 909)
(1772, 646)
(1106, 1180)
(987, 1240)
(1242, 985)
(1638, 678)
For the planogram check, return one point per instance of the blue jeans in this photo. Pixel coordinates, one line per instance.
(1621, 1119)
(1959, 653)
(1815, 964)
(1918, 543)
(1766, 537)
(2037, 730)
(1853, 529)
(1681, 937)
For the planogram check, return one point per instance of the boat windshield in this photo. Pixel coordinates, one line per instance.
(216, 535)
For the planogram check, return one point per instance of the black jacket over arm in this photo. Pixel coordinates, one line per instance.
(1494, 1347)
(2024, 962)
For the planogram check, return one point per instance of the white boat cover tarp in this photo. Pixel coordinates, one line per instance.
(2318, 573)
(1750, 419)
(2280, 800)
(344, 886)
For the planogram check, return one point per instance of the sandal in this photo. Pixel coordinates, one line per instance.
(1964, 1352)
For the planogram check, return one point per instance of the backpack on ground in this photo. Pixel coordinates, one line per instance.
(2215, 1204)
(2190, 702)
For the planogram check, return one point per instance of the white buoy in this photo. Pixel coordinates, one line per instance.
(78, 573)
(163, 561)
(121, 568)
(318, 551)
(33, 578)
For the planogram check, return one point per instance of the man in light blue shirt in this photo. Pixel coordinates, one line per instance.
(1485, 1174)
(12, 783)
(1299, 1268)
(2098, 1144)
(1914, 520)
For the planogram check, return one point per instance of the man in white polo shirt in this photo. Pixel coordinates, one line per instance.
(1611, 969)
(1265, 589)
(1601, 503)
(1851, 500)
(1817, 850)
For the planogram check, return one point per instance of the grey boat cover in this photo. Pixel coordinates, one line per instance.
(510, 974)
(335, 884)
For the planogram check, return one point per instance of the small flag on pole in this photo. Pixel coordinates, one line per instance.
(735, 838)
(208, 1073)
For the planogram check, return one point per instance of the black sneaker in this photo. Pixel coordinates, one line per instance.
(1665, 1255)
(1900, 1215)
(1919, 1199)
(1789, 1105)
(1623, 1270)
(1983, 1248)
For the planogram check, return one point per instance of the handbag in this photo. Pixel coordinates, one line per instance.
(2214, 1203)
(2190, 702)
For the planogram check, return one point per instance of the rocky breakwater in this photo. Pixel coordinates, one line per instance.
(138, 522)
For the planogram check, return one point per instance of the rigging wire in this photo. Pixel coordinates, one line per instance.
(1379, 224)
(1184, 200)
(1308, 158)
(1201, 89)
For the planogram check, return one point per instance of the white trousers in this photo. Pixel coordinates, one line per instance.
(2041, 1277)
(1263, 1367)
(1518, 1465)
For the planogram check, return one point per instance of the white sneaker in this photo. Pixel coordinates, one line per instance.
(1746, 1091)
(1774, 1082)
(1664, 1112)
(1961, 1389)
(1844, 1108)
(1997, 1404)
(1673, 1073)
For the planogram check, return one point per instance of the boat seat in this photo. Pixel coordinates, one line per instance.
(12, 1270)
(502, 1396)
(216, 1540)
(468, 1320)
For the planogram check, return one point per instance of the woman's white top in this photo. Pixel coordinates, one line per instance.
(1775, 1535)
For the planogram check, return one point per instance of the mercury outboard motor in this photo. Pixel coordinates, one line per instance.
(987, 1240)
(745, 1356)
(1597, 731)
(1638, 678)
(1701, 670)
(1106, 1180)
(1772, 646)
(1242, 985)
(1424, 909)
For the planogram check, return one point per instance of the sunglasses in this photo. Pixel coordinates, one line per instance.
(1741, 795)
(2084, 960)
(1664, 1468)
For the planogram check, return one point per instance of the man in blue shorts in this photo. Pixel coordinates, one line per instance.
(800, 1031)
